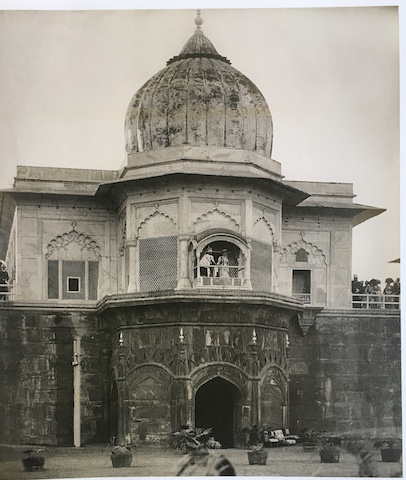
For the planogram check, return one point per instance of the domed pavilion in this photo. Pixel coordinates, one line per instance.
(194, 286)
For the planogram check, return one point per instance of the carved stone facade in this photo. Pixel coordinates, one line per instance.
(154, 358)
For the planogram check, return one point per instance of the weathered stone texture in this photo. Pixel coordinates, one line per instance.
(341, 379)
(353, 382)
(37, 378)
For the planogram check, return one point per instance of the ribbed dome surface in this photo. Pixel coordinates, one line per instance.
(199, 99)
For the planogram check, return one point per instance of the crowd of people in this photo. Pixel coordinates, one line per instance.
(369, 294)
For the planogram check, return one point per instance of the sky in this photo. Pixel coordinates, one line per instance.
(330, 77)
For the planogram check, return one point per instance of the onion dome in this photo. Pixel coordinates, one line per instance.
(199, 99)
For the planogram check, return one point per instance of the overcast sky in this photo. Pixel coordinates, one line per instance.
(330, 76)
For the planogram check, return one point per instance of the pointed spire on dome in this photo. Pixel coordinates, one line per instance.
(198, 45)
(198, 22)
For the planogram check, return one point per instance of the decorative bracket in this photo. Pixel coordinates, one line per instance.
(307, 318)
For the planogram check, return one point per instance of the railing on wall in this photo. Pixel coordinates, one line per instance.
(303, 297)
(220, 276)
(218, 282)
(378, 301)
(8, 295)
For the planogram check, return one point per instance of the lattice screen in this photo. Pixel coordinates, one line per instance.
(261, 266)
(158, 263)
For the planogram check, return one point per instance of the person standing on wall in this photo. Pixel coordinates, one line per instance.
(4, 278)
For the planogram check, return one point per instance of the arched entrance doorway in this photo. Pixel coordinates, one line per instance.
(216, 405)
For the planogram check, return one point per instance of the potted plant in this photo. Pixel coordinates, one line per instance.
(186, 440)
(32, 460)
(329, 453)
(391, 449)
(257, 455)
(310, 441)
(121, 455)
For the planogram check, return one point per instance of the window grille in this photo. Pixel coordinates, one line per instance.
(158, 263)
(261, 266)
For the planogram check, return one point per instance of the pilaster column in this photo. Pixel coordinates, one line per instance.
(132, 266)
(248, 216)
(76, 392)
(255, 393)
(123, 420)
(183, 263)
(247, 271)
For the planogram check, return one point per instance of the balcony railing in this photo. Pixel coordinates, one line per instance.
(303, 297)
(371, 300)
(7, 296)
(218, 282)
(219, 276)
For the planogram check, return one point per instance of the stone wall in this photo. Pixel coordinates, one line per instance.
(36, 375)
(345, 373)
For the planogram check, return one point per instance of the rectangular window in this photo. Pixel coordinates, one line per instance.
(73, 284)
(301, 285)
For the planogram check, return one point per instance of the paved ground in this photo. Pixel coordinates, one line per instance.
(94, 461)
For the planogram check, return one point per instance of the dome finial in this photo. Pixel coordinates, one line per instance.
(198, 22)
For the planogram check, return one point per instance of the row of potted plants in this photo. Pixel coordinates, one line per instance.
(329, 445)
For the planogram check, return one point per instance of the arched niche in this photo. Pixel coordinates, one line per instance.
(72, 267)
(273, 399)
(149, 403)
(221, 260)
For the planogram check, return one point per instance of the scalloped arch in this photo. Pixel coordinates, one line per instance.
(263, 221)
(216, 211)
(63, 241)
(314, 252)
(153, 216)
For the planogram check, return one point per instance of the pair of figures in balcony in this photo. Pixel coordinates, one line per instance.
(209, 267)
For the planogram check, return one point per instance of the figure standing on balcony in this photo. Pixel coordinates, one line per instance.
(388, 291)
(355, 288)
(223, 262)
(3, 281)
(375, 291)
(396, 291)
(206, 262)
